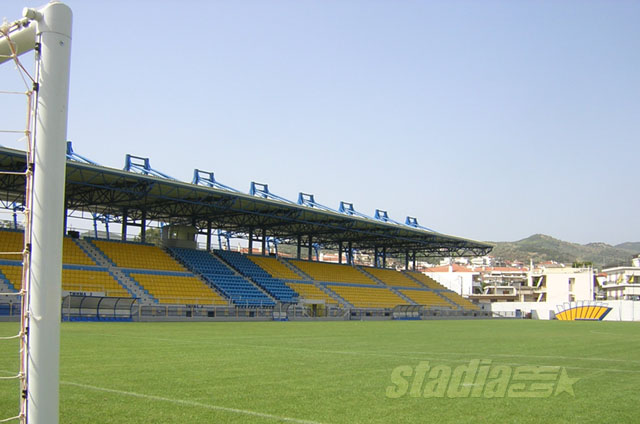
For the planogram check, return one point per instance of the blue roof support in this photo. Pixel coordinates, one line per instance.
(143, 166)
(413, 222)
(101, 218)
(262, 190)
(275, 241)
(71, 155)
(306, 199)
(316, 249)
(227, 235)
(348, 209)
(205, 178)
(16, 208)
(384, 217)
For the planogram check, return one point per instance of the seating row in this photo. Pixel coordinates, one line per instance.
(274, 286)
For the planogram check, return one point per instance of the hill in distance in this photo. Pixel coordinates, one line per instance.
(540, 247)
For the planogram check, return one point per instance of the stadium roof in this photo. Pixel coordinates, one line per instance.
(122, 194)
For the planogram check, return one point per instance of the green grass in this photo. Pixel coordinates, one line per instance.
(329, 372)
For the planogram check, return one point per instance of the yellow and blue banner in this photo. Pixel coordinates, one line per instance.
(582, 311)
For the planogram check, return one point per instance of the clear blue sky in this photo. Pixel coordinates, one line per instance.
(491, 120)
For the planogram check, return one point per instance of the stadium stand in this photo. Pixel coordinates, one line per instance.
(137, 255)
(11, 273)
(393, 278)
(332, 273)
(246, 280)
(460, 301)
(368, 297)
(307, 290)
(86, 280)
(275, 268)
(241, 291)
(177, 289)
(73, 254)
(427, 281)
(73, 279)
(11, 241)
(426, 298)
(274, 286)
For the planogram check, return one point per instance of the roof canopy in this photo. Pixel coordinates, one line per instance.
(135, 197)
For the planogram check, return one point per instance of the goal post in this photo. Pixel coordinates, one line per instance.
(48, 31)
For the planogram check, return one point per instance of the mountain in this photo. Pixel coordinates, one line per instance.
(540, 247)
(633, 247)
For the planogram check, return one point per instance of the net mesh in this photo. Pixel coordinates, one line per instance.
(26, 90)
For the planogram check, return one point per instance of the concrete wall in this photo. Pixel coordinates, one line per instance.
(623, 310)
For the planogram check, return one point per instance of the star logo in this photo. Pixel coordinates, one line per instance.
(565, 384)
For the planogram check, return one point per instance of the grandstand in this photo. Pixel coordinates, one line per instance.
(228, 282)
(393, 278)
(332, 273)
(368, 297)
(459, 300)
(181, 276)
(137, 256)
(307, 290)
(11, 241)
(426, 280)
(274, 286)
(96, 280)
(426, 298)
(175, 275)
(178, 289)
(73, 254)
(275, 268)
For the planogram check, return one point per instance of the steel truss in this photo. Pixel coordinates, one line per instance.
(136, 198)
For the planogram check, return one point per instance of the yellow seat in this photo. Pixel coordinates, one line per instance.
(334, 273)
(170, 289)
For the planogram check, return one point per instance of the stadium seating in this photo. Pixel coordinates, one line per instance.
(12, 274)
(275, 268)
(245, 282)
(274, 286)
(307, 290)
(426, 298)
(333, 273)
(460, 301)
(241, 291)
(137, 256)
(73, 279)
(11, 241)
(178, 289)
(392, 278)
(368, 297)
(73, 254)
(85, 280)
(427, 281)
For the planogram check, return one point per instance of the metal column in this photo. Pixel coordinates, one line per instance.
(125, 217)
(143, 227)
(208, 235)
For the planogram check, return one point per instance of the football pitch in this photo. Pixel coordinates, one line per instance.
(342, 372)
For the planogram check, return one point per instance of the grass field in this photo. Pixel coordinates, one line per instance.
(329, 372)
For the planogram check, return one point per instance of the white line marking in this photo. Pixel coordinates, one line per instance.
(191, 403)
(509, 355)
(428, 356)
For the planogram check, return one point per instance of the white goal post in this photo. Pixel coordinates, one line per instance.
(48, 31)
